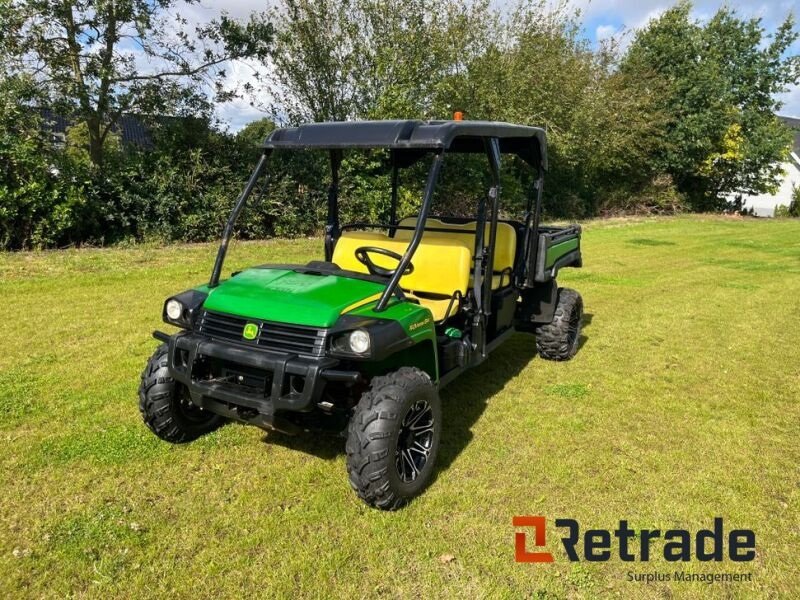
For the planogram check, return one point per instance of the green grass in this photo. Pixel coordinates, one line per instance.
(682, 405)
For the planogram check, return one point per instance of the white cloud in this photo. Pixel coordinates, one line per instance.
(239, 112)
(650, 15)
(603, 32)
(791, 102)
(636, 13)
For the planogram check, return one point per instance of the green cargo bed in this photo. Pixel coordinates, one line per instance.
(557, 247)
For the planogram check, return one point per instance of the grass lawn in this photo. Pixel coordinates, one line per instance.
(681, 406)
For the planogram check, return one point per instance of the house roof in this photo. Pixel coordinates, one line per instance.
(130, 129)
(530, 143)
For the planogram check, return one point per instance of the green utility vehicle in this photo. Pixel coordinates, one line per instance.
(364, 340)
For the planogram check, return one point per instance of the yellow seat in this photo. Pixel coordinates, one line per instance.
(441, 266)
(505, 246)
(437, 306)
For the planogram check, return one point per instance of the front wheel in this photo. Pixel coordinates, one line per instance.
(393, 438)
(167, 408)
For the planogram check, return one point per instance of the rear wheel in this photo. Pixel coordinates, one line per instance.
(559, 339)
(167, 408)
(393, 438)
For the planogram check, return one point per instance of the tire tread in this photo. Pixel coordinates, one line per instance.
(367, 448)
(552, 339)
(156, 391)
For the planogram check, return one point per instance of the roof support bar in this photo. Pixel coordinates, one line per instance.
(237, 208)
(477, 254)
(393, 205)
(427, 199)
(332, 229)
(532, 220)
(493, 149)
(484, 254)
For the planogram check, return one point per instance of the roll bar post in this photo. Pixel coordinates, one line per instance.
(427, 199)
(237, 208)
(393, 205)
(332, 228)
(533, 216)
(493, 150)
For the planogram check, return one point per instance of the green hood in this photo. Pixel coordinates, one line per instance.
(285, 296)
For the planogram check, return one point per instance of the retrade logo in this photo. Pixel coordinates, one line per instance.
(521, 552)
(629, 544)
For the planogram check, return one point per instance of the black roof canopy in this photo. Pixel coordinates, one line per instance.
(415, 137)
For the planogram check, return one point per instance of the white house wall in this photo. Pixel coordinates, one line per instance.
(764, 205)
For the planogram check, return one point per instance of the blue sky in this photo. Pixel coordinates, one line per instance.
(602, 18)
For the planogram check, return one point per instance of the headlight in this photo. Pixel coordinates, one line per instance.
(358, 341)
(181, 309)
(174, 309)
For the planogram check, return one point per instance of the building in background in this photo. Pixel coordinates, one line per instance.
(132, 131)
(764, 205)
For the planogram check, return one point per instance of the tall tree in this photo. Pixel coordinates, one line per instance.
(720, 81)
(98, 59)
(26, 177)
(346, 59)
(602, 125)
(318, 60)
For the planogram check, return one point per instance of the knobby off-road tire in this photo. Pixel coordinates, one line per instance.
(559, 339)
(393, 438)
(166, 406)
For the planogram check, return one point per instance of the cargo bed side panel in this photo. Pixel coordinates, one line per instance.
(557, 247)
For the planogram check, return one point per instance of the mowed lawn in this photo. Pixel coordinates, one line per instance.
(682, 405)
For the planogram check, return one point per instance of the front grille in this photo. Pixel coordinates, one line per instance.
(294, 339)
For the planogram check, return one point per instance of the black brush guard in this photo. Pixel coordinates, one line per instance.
(250, 385)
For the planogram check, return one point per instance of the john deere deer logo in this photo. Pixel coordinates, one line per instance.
(250, 331)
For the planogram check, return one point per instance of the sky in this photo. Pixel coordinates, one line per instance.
(602, 19)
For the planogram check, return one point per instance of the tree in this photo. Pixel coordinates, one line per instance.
(26, 195)
(254, 133)
(317, 59)
(417, 49)
(338, 60)
(720, 81)
(602, 125)
(97, 59)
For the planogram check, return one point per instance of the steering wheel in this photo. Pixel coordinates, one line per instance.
(362, 255)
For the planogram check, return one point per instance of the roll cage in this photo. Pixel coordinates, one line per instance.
(408, 142)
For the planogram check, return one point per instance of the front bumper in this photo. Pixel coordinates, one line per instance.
(249, 385)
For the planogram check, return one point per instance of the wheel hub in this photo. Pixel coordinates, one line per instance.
(188, 409)
(415, 441)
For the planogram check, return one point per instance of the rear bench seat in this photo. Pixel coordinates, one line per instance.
(441, 266)
(504, 252)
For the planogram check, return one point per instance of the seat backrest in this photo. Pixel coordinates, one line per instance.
(505, 248)
(441, 266)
